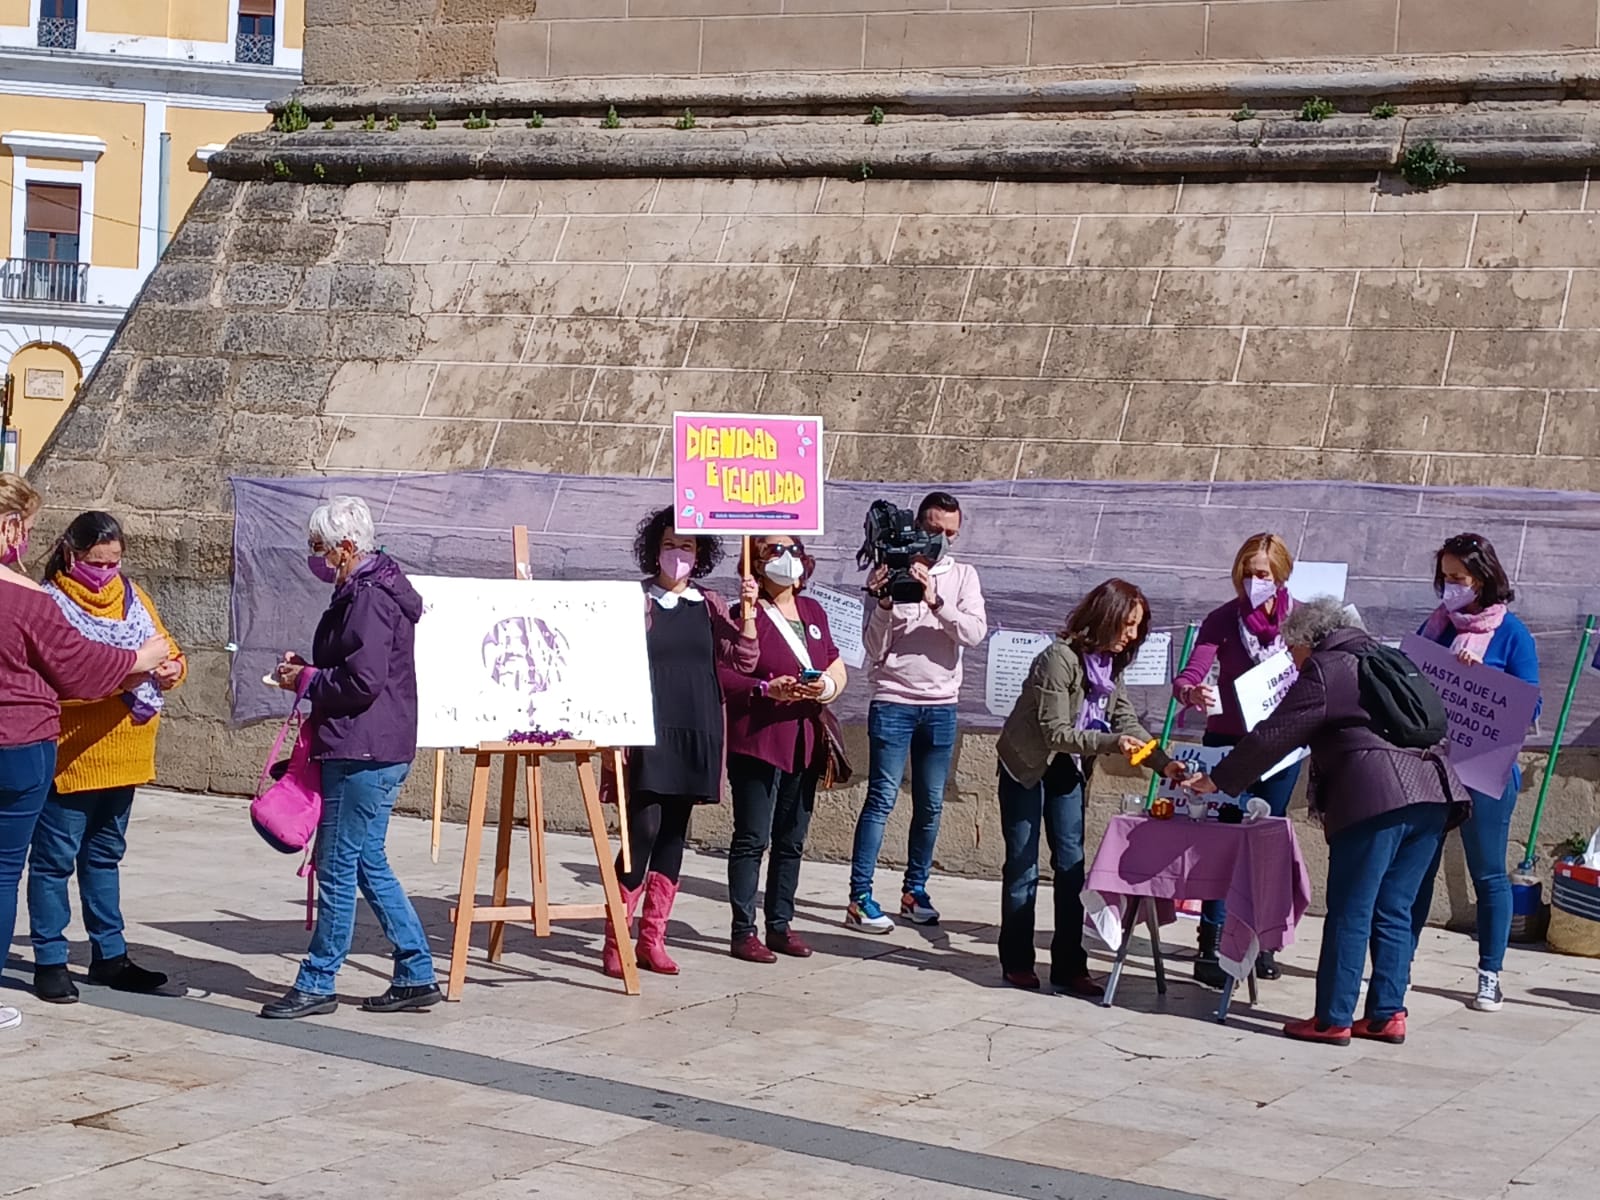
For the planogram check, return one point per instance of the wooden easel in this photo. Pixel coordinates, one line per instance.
(539, 912)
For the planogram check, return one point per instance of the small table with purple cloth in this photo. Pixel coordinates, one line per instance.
(1144, 865)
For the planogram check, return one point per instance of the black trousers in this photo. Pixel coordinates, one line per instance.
(770, 807)
(658, 827)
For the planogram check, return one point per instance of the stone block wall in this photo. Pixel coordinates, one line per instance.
(406, 41)
(951, 330)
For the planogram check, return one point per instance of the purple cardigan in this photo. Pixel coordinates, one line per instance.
(1355, 774)
(1219, 642)
(788, 736)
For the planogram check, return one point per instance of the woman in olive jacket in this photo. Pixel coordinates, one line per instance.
(1072, 708)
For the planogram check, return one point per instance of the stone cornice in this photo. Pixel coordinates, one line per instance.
(1495, 138)
(1352, 84)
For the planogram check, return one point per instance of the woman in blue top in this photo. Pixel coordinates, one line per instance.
(1475, 622)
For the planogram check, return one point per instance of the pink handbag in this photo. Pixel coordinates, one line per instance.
(288, 802)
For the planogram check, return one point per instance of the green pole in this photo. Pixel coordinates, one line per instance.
(1189, 639)
(1555, 745)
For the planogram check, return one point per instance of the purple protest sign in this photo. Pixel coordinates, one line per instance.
(1489, 712)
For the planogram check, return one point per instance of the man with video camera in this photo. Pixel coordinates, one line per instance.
(929, 609)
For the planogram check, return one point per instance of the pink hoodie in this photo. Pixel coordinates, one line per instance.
(914, 653)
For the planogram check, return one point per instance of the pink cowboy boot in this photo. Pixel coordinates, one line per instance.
(611, 959)
(659, 893)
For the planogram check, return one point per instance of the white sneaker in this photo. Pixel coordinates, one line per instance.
(10, 1018)
(1489, 997)
(865, 914)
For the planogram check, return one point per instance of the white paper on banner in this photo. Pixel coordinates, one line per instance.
(1260, 690)
(1010, 655)
(1489, 712)
(1213, 680)
(1201, 760)
(1150, 666)
(500, 656)
(846, 616)
(1311, 579)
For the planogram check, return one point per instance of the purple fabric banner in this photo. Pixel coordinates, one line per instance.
(1038, 545)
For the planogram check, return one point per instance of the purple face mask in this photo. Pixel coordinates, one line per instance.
(94, 576)
(319, 566)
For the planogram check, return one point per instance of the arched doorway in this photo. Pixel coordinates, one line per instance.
(44, 379)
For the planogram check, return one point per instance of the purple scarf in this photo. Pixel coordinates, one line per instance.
(1261, 632)
(1097, 669)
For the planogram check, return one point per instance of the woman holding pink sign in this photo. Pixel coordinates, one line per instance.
(1235, 638)
(1474, 619)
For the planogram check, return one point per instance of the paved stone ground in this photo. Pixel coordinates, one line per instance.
(881, 1067)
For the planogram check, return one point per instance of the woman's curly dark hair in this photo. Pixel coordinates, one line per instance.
(647, 546)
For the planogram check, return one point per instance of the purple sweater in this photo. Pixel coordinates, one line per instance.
(788, 736)
(1219, 643)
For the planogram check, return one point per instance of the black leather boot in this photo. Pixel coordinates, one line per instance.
(1267, 966)
(1207, 969)
(54, 986)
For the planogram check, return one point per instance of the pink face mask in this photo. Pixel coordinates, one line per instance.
(677, 564)
(1260, 591)
(94, 576)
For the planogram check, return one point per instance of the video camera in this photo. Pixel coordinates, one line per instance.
(895, 540)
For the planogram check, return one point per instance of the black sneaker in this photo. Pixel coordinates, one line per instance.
(403, 999)
(121, 975)
(54, 986)
(295, 1004)
(1267, 966)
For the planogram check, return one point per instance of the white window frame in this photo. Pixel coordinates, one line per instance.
(75, 147)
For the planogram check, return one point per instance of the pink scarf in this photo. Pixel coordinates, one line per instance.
(1474, 631)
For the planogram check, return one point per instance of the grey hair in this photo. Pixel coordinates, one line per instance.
(1314, 619)
(343, 519)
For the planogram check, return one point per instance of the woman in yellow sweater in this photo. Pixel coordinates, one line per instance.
(107, 748)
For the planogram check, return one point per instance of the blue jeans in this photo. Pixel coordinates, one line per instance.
(926, 734)
(1374, 871)
(25, 775)
(1484, 837)
(1022, 809)
(1276, 791)
(86, 832)
(357, 798)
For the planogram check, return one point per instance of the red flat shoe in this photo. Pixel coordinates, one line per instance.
(788, 942)
(1084, 986)
(1026, 980)
(749, 948)
(1313, 1030)
(1392, 1031)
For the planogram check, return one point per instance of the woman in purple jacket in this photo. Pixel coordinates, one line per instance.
(363, 697)
(777, 747)
(1384, 811)
(1235, 638)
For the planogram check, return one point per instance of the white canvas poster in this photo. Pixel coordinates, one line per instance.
(502, 656)
(1149, 667)
(1260, 690)
(1011, 654)
(846, 619)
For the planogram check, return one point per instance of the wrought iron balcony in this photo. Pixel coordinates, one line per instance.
(58, 33)
(52, 282)
(253, 48)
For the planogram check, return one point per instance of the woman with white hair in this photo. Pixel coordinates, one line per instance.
(363, 693)
(1384, 811)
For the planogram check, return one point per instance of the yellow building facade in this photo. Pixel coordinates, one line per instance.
(109, 110)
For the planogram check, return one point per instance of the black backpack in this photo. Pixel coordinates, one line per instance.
(1404, 707)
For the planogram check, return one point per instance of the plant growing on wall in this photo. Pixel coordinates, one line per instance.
(478, 120)
(1425, 167)
(536, 121)
(392, 124)
(281, 169)
(1383, 111)
(369, 123)
(1245, 113)
(1315, 109)
(686, 121)
(328, 124)
(875, 117)
(430, 121)
(611, 120)
(292, 119)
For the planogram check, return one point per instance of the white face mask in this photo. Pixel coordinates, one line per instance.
(1259, 591)
(785, 570)
(1458, 596)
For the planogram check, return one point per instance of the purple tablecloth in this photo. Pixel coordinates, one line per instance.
(1256, 868)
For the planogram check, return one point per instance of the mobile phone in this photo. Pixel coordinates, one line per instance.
(810, 676)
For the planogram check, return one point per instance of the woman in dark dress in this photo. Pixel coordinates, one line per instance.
(688, 632)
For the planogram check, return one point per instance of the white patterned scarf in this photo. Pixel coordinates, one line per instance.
(134, 630)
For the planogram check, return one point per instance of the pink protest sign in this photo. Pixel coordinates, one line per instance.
(742, 474)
